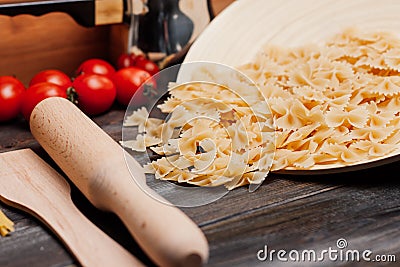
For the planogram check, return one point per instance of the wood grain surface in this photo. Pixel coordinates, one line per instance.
(109, 12)
(286, 212)
(30, 44)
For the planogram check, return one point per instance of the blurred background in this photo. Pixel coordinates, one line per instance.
(29, 44)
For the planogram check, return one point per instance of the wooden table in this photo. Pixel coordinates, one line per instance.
(286, 212)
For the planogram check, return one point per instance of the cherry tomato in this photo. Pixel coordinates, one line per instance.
(52, 76)
(126, 60)
(11, 94)
(128, 81)
(95, 93)
(38, 92)
(147, 65)
(140, 61)
(96, 66)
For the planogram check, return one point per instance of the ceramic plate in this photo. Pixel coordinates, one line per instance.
(235, 36)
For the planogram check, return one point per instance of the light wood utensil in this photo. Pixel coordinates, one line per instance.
(30, 184)
(96, 164)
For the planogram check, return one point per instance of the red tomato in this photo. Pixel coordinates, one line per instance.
(95, 93)
(96, 66)
(140, 61)
(126, 60)
(52, 76)
(147, 65)
(11, 94)
(38, 92)
(128, 81)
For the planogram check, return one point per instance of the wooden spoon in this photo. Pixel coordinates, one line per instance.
(30, 184)
(96, 164)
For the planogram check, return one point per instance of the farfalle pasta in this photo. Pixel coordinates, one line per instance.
(336, 103)
(346, 91)
(213, 134)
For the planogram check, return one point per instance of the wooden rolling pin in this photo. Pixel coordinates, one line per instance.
(30, 184)
(96, 164)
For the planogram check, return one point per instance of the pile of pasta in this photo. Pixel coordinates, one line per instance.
(217, 133)
(336, 103)
(331, 104)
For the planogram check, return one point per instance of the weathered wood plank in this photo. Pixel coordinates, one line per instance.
(31, 244)
(366, 212)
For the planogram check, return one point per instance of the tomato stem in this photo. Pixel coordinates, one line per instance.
(72, 95)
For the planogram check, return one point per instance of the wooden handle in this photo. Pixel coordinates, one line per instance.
(96, 164)
(29, 183)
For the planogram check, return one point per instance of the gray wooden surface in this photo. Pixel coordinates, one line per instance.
(287, 212)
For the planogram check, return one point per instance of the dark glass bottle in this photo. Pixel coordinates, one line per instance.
(151, 28)
(165, 28)
(179, 27)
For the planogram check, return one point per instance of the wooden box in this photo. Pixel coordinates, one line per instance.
(29, 44)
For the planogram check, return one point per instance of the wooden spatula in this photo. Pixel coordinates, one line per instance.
(29, 183)
(96, 164)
